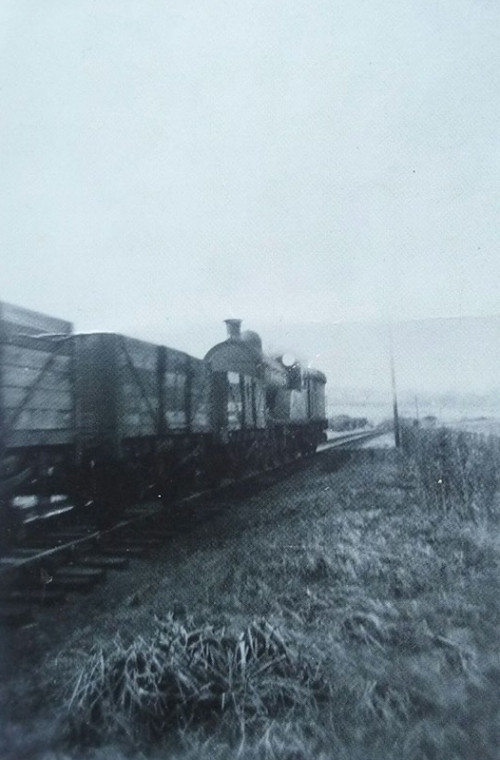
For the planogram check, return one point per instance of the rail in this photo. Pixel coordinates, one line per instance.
(72, 541)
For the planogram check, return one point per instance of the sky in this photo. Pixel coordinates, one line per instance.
(168, 163)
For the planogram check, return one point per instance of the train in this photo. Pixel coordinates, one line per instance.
(99, 421)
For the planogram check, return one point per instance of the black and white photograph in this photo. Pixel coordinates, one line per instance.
(249, 380)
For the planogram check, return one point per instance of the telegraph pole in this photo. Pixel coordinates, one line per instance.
(397, 431)
(417, 410)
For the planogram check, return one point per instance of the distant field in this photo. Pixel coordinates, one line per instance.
(481, 425)
(464, 418)
(373, 412)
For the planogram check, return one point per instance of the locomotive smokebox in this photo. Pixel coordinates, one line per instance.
(233, 328)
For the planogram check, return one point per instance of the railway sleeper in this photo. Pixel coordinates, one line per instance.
(105, 562)
(160, 534)
(72, 534)
(23, 553)
(60, 577)
(95, 574)
(138, 541)
(45, 597)
(118, 550)
(77, 583)
(13, 613)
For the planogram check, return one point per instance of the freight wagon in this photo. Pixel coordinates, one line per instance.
(99, 420)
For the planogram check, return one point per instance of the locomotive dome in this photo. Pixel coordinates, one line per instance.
(253, 339)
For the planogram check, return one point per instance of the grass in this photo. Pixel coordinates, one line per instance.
(455, 472)
(353, 614)
(191, 676)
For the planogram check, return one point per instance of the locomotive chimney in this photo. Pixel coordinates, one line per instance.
(233, 328)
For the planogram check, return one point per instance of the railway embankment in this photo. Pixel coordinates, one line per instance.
(350, 611)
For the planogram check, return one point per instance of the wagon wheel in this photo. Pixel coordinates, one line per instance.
(261, 457)
(113, 489)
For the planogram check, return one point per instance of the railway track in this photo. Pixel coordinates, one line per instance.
(54, 567)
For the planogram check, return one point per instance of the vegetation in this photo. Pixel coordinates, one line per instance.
(187, 676)
(456, 472)
(355, 616)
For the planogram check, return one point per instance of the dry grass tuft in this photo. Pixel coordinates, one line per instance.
(188, 676)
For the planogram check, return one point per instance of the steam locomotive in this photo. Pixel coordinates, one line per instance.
(99, 421)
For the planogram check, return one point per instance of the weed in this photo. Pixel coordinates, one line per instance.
(189, 676)
(454, 471)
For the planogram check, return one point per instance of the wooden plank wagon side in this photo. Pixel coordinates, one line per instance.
(142, 418)
(37, 442)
